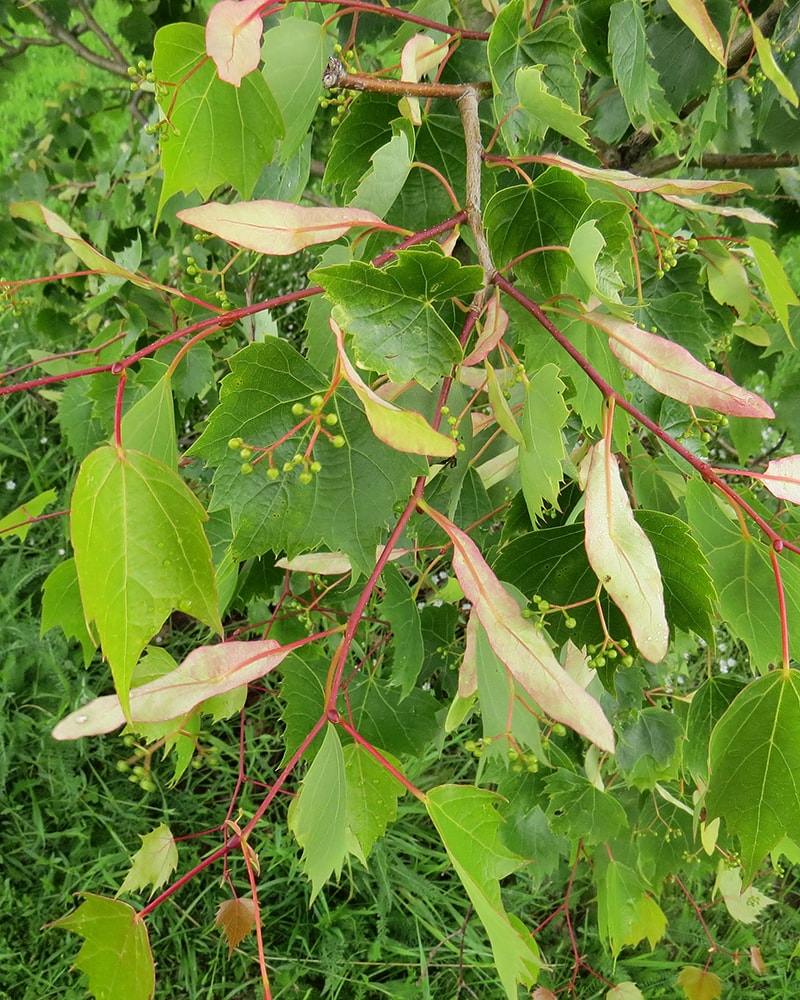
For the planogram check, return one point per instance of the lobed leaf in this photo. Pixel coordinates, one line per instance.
(673, 371)
(621, 554)
(115, 954)
(520, 645)
(699, 984)
(236, 917)
(154, 862)
(233, 38)
(276, 227)
(206, 672)
(19, 521)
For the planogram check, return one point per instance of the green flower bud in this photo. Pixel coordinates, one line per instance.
(298, 410)
(331, 419)
(272, 472)
(338, 441)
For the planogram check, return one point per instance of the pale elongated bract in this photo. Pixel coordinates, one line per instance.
(673, 371)
(233, 38)
(782, 478)
(276, 227)
(404, 430)
(519, 644)
(207, 671)
(621, 554)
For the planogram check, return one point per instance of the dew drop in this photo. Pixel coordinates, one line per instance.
(167, 563)
(83, 718)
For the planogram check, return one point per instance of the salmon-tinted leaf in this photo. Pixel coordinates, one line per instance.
(782, 478)
(673, 371)
(495, 323)
(236, 917)
(694, 15)
(420, 55)
(519, 644)
(621, 554)
(154, 862)
(276, 227)
(206, 672)
(403, 430)
(233, 38)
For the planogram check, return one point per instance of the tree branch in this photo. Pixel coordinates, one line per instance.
(468, 107)
(64, 37)
(631, 154)
(111, 47)
(336, 77)
(720, 161)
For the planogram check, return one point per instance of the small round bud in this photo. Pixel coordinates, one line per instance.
(317, 401)
(129, 740)
(445, 410)
(331, 419)
(298, 410)
(245, 453)
(570, 622)
(288, 466)
(305, 478)
(147, 785)
(338, 441)
(235, 444)
(272, 472)
(123, 766)
(247, 469)
(316, 467)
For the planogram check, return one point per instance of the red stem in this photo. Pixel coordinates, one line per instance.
(123, 378)
(401, 15)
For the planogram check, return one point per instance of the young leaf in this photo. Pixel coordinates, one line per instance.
(770, 68)
(520, 645)
(625, 991)
(754, 760)
(781, 293)
(276, 227)
(216, 134)
(236, 917)
(782, 478)
(694, 15)
(140, 552)
(542, 450)
(318, 816)
(403, 430)
(621, 554)
(420, 55)
(149, 425)
(578, 809)
(673, 371)
(85, 252)
(699, 984)
(626, 913)
(468, 824)
(207, 672)
(545, 110)
(18, 522)
(500, 408)
(233, 38)
(154, 862)
(400, 608)
(631, 62)
(744, 905)
(115, 954)
(495, 324)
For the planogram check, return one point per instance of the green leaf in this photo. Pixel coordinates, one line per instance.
(709, 703)
(546, 111)
(770, 68)
(396, 314)
(366, 128)
(468, 824)
(578, 809)
(695, 16)
(553, 47)
(294, 54)
(140, 553)
(626, 913)
(149, 425)
(689, 594)
(647, 752)
(400, 608)
(631, 64)
(115, 954)
(386, 719)
(256, 401)
(372, 794)
(318, 815)
(62, 607)
(216, 133)
(16, 524)
(542, 450)
(525, 217)
(781, 293)
(383, 182)
(742, 572)
(754, 763)
(154, 862)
